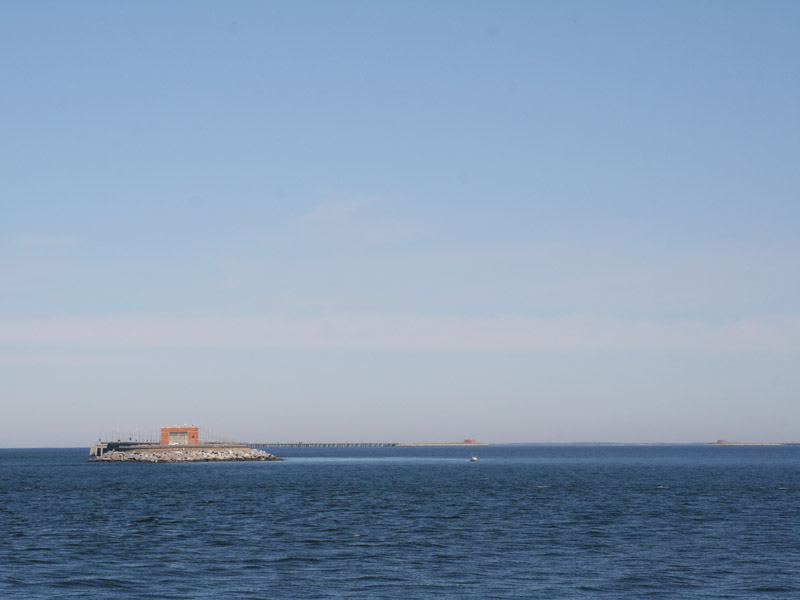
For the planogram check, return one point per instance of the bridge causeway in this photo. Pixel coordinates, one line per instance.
(262, 445)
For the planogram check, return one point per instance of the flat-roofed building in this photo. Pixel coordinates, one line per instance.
(181, 436)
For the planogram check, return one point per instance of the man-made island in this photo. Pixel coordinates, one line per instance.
(184, 444)
(178, 444)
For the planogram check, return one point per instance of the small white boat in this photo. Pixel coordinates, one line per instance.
(474, 459)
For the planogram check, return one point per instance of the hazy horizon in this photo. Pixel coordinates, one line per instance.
(479, 443)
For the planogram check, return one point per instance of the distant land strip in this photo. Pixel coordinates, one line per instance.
(727, 443)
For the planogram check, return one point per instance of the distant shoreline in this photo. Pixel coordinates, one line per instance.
(754, 444)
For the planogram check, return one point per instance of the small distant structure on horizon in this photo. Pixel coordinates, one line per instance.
(180, 436)
(722, 442)
(469, 441)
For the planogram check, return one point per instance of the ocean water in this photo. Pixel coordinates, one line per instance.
(527, 521)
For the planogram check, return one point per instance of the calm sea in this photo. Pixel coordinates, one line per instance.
(522, 522)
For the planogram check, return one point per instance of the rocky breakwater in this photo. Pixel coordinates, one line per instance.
(174, 455)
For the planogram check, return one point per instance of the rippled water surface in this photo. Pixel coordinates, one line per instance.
(522, 522)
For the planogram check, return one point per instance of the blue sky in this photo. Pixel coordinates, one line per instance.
(515, 221)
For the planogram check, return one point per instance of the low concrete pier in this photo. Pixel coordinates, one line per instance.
(101, 448)
(322, 444)
(443, 445)
(365, 445)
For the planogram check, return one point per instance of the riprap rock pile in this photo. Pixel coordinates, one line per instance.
(173, 455)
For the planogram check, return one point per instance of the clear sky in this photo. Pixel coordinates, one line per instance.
(400, 221)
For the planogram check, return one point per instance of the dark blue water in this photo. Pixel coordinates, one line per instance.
(522, 522)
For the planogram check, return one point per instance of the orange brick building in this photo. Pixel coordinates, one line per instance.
(182, 436)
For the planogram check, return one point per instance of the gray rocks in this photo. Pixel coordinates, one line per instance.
(172, 455)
